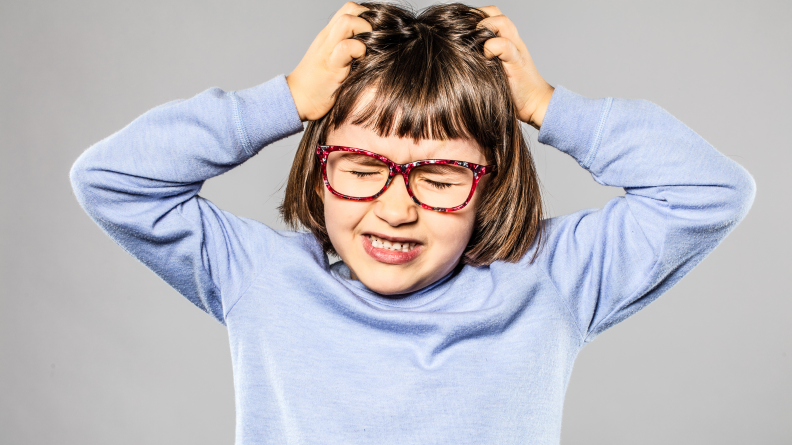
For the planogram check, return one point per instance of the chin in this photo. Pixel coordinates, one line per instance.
(385, 285)
(395, 280)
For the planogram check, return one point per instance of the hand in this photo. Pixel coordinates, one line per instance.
(326, 64)
(530, 92)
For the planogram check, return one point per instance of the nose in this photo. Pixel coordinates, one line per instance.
(395, 206)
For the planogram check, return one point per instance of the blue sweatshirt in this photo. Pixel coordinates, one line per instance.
(482, 356)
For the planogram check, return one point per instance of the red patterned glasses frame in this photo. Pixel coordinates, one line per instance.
(323, 151)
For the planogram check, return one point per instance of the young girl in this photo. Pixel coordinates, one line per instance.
(456, 312)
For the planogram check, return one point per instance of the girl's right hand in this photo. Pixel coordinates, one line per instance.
(326, 64)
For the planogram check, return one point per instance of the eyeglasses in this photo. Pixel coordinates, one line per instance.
(435, 184)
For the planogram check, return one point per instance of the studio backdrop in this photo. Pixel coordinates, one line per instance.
(85, 359)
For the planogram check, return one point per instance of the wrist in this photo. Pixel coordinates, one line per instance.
(264, 114)
(537, 117)
(296, 96)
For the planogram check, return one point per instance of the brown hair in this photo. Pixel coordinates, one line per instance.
(432, 81)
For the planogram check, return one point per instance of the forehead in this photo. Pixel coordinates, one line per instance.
(404, 150)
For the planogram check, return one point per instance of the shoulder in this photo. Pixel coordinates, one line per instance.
(285, 248)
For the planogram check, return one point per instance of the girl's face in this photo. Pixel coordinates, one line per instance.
(440, 238)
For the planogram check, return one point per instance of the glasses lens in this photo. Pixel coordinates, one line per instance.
(356, 175)
(441, 185)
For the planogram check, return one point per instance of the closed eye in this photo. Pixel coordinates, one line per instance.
(361, 174)
(438, 185)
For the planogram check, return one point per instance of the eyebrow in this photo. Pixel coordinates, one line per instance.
(362, 159)
(441, 169)
(367, 160)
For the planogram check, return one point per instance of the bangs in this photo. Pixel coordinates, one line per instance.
(425, 76)
(434, 107)
(421, 82)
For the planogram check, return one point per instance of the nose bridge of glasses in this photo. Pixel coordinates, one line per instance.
(402, 169)
(397, 204)
(397, 171)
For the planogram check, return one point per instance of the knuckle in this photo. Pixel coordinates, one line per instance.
(350, 47)
(488, 23)
(499, 43)
(495, 45)
(501, 19)
(349, 20)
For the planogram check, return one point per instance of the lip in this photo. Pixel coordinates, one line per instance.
(391, 256)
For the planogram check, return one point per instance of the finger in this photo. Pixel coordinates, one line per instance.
(490, 10)
(350, 8)
(345, 51)
(346, 27)
(502, 48)
(502, 27)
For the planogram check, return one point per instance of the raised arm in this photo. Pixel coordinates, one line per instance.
(682, 196)
(141, 184)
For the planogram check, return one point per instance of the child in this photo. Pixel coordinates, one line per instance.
(456, 312)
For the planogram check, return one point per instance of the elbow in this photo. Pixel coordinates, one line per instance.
(77, 178)
(747, 192)
(82, 177)
(743, 193)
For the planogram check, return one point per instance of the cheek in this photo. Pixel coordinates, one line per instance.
(342, 216)
(450, 232)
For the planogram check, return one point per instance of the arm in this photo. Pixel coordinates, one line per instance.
(141, 186)
(682, 198)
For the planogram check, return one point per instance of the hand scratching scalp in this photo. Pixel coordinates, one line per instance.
(431, 80)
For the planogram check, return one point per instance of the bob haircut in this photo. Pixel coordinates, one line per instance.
(432, 81)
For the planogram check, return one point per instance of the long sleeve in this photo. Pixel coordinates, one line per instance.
(682, 197)
(141, 186)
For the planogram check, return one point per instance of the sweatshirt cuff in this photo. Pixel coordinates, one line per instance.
(265, 113)
(574, 124)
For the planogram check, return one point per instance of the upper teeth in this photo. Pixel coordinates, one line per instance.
(390, 245)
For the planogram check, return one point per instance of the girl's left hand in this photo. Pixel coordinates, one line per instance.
(530, 92)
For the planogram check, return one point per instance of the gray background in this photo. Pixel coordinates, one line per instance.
(95, 349)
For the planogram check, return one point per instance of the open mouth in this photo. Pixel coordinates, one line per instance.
(391, 251)
(380, 243)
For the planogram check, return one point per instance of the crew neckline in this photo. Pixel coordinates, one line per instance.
(411, 300)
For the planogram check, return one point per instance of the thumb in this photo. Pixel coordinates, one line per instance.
(344, 52)
(502, 48)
